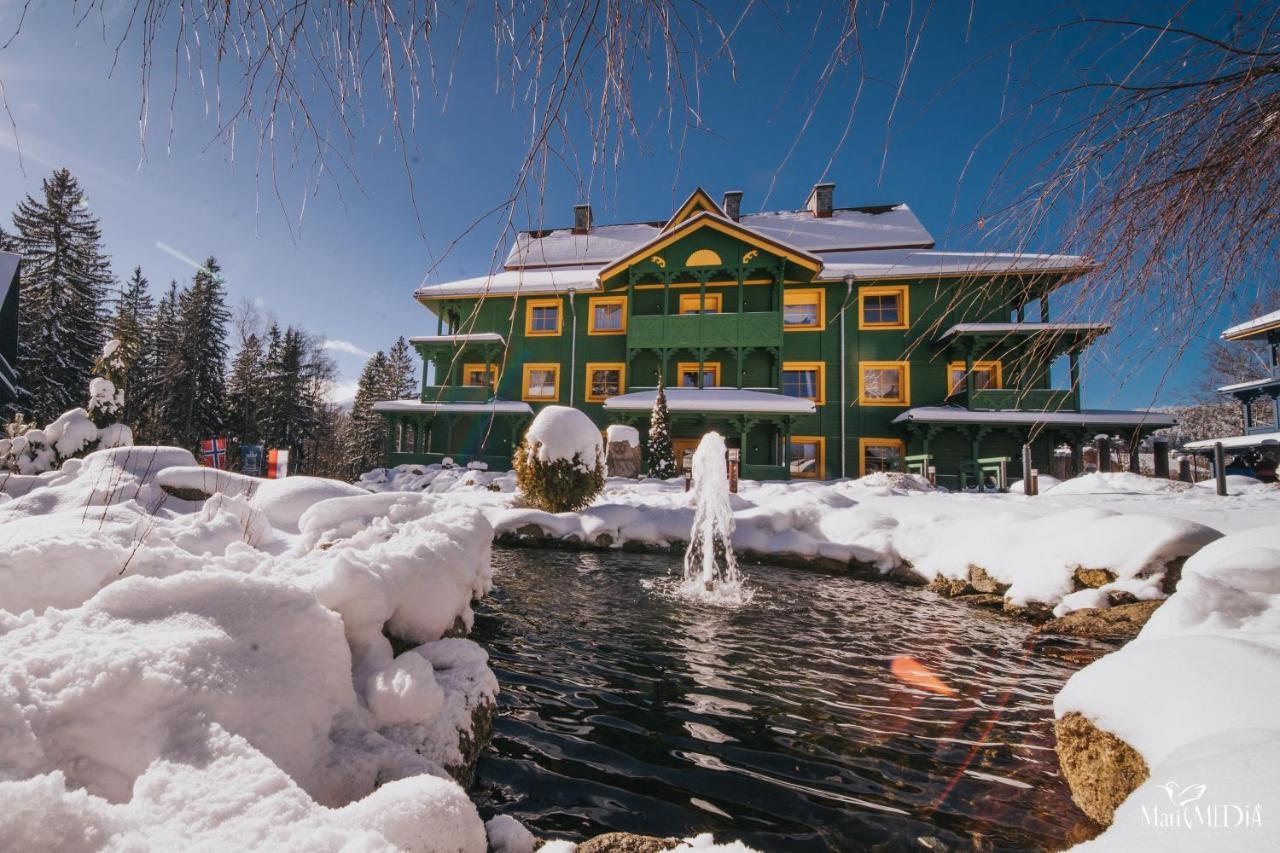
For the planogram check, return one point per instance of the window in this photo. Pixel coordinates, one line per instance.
(806, 456)
(805, 379)
(884, 383)
(541, 382)
(880, 454)
(804, 310)
(694, 303)
(542, 317)
(604, 381)
(986, 374)
(608, 315)
(688, 373)
(480, 375)
(883, 308)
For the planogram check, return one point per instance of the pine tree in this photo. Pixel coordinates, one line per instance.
(366, 429)
(662, 461)
(293, 395)
(155, 396)
(245, 389)
(65, 277)
(402, 371)
(199, 370)
(130, 325)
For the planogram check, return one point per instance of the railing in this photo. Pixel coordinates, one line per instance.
(456, 394)
(753, 328)
(1024, 399)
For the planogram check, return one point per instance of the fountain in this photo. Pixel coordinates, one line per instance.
(710, 569)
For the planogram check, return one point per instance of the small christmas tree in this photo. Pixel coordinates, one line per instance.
(662, 463)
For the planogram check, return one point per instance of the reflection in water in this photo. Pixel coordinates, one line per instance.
(808, 719)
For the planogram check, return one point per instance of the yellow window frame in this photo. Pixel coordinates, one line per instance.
(820, 367)
(904, 386)
(816, 296)
(593, 366)
(821, 443)
(712, 367)
(864, 443)
(904, 306)
(529, 307)
(599, 301)
(699, 305)
(490, 369)
(552, 366)
(995, 367)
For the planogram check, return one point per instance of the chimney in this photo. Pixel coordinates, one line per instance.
(732, 204)
(581, 218)
(820, 198)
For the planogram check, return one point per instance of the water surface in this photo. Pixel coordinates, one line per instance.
(781, 723)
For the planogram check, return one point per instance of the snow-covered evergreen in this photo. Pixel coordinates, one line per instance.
(661, 457)
(128, 328)
(199, 365)
(245, 386)
(65, 276)
(367, 430)
(402, 371)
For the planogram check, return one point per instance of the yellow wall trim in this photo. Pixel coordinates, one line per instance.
(712, 367)
(693, 303)
(818, 441)
(904, 383)
(996, 367)
(592, 367)
(819, 367)
(864, 443)
(529, 307)
(552, 366)
(904, 307)
(814, 296)
(478, 369)
(601, 301)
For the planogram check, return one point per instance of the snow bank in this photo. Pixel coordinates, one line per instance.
(561, 432)
(219, 672)
(1194, 694)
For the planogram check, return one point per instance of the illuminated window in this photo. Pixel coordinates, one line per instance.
(542, 317)
(883, 308)
(880, 454)
(480, 375)
(604, 381)
(608, 315)
(694, 303)
(884, 383)
(541, 382)
(805, 379)
(688, 373)
(806, 456)
(986, 374)
(804, 310)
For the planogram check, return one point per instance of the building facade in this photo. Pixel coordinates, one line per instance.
(10, 392)
(823, 342)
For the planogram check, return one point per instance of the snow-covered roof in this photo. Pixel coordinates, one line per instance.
(909, 263)
(470, 338)
(1022, 329)
(1235, 442)
(713, 400)
(1256, 326)
(884, 227)
(1095, 417)
(1253, 383)
(496, 407)
(532, 281)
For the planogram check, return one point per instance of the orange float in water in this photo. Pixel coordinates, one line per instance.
(910, 671)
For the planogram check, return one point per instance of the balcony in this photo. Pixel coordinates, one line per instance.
(456, 394)
(1024, 399)
(690, 331)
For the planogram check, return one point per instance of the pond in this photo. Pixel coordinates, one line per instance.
(828, 714)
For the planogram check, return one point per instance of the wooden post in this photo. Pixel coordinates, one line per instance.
(1160, 445)
(1103, 444)
(1220, 468)
(1028, 478)
(1184, 469)
(734, 455)
(1135, 461)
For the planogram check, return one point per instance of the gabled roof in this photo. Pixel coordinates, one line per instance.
(706, 219)
(697, 201)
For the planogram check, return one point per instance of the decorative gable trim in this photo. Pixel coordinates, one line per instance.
(697, 202)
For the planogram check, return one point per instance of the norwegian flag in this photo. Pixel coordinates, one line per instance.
(213, 453)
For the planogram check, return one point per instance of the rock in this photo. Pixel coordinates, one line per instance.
(622, 459)
(471, 745)
(626, 842)
(1111, 623)
(185, 494)
(1101, 769)
(982, 599)
(604, 540)
(531, 531)
(983, 582)
(1033, 611)
(904, 574)
(949, 587)
(1172, 574)
(1092, 578)
(1117, 597)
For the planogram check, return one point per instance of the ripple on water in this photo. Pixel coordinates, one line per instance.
(780, 722)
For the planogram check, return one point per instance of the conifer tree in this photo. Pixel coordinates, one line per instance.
(65, 276)
(366, 429)
(661, 457)
(157, 395)
(293, 393)
(199, 370)
(130, 325)
(402, 371)
(245, 390)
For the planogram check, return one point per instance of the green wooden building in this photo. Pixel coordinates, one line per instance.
(823, 342)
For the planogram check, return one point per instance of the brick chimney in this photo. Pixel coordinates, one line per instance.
(732, 204)
(581, 218)
(820, 200)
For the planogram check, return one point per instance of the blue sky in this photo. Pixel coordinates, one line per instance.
(347, 268)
